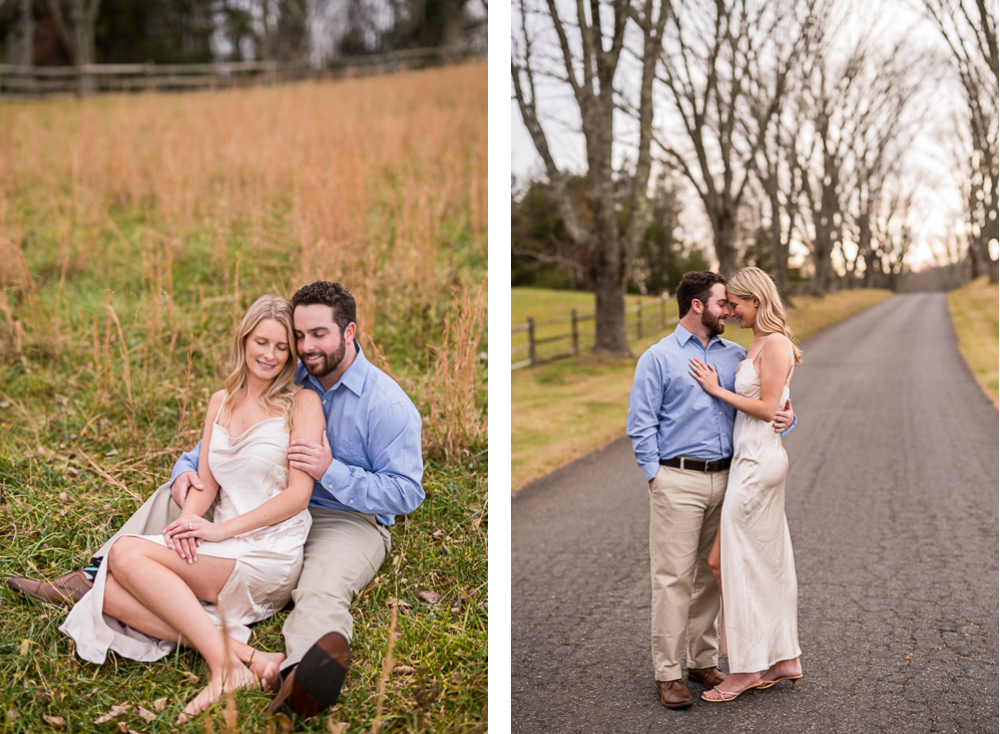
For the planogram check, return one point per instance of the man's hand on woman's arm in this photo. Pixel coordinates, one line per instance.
(784, 419)
(179, 489)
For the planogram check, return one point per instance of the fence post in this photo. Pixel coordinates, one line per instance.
(576, 334)
(531, 341)
(638, 311)
(663, 313)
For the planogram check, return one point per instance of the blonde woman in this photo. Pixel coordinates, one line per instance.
(202, 582)
(753, 550)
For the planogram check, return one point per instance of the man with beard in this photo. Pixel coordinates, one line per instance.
(683, 441)
(367, 470)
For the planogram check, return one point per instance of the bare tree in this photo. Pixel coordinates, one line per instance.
(590, 49)
(726, 66)
(970, 29)
(75, 21)
(849, 113)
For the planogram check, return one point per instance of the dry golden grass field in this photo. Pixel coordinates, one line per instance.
(134, 231)
(974, 312)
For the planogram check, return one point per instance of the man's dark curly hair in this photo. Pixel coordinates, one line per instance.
(693, 286)
(334, 295)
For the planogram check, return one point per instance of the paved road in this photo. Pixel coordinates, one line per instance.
(892, 505)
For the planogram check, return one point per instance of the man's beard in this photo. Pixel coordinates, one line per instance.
(714, 324)
(328, 364)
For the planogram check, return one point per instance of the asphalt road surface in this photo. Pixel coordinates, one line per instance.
(892, 506)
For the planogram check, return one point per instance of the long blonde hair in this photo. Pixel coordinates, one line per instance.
(280, 394)
(755, 283)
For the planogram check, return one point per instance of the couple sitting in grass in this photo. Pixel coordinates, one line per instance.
(304, 484)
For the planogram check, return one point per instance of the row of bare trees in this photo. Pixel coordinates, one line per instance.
(787, 114)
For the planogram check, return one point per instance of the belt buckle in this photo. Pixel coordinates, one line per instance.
(682, 463)
(706, 466)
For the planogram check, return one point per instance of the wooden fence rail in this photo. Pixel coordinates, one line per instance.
(640, 322)
(34, 81)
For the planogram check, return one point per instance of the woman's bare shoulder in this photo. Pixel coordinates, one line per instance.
(308, 400)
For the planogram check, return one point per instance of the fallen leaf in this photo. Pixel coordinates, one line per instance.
(160, 703)
(116, 711)
(24, 647)
(404, 670)
(456, 677)
(431, 597)
(190, 676)
(64, 497)
(335, 728)
(122, 727)
(477, 522)
(437, 533)
(147, 715)
(12, 714)
(57, 721)
(456, 610)
(4, 404)
(73, 471)
(113, 452)
(63, 513)
(404, 605)
(484, 604)
(42, 617)
(446, 549)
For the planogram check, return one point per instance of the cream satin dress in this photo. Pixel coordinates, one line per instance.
(759, 590)
(250, 469)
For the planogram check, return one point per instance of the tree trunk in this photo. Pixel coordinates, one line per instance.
(725, 237)
(779, 247)
(609, 319)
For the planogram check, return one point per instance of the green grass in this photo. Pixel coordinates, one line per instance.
(551, 310)
(65, 402)
(974, 312)
(564, 409)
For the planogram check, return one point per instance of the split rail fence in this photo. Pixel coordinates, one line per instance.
(540, 345)
(35, 81)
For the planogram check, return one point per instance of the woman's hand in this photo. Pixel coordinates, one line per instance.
(187, 533)
(706, 376)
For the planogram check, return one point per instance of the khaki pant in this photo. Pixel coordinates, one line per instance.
(341, 556)
(684, 510)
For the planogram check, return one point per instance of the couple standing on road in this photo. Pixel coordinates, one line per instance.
(700, 417)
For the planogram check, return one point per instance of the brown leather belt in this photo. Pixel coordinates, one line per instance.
(682, 462)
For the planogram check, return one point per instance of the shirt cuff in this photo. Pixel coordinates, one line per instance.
(337, 476)
(650, 470)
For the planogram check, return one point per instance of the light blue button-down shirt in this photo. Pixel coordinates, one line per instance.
(669, 413)
(374, 434)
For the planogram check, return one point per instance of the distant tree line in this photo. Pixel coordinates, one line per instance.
(75, 32)
(792, 125)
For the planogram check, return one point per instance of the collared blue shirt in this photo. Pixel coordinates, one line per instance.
(669, 413)
(374, 434)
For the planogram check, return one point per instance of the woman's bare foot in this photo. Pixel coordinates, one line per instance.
(266, 666)
(732, 686)
(237, 676)
(783, 669)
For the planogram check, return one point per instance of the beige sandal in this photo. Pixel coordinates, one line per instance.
(727, 696)
(765, 684)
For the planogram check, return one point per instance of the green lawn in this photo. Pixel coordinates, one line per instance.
(552, 310)
(564, 409)
(974, 313)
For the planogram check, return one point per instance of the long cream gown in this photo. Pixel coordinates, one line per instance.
(759, 590)
(250, 469)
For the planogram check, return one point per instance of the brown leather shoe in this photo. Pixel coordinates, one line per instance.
(315, 683)
(674, 694)
(65, 591)
(710, 677)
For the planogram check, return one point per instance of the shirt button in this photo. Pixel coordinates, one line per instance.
(329, 486)
(324, 402)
